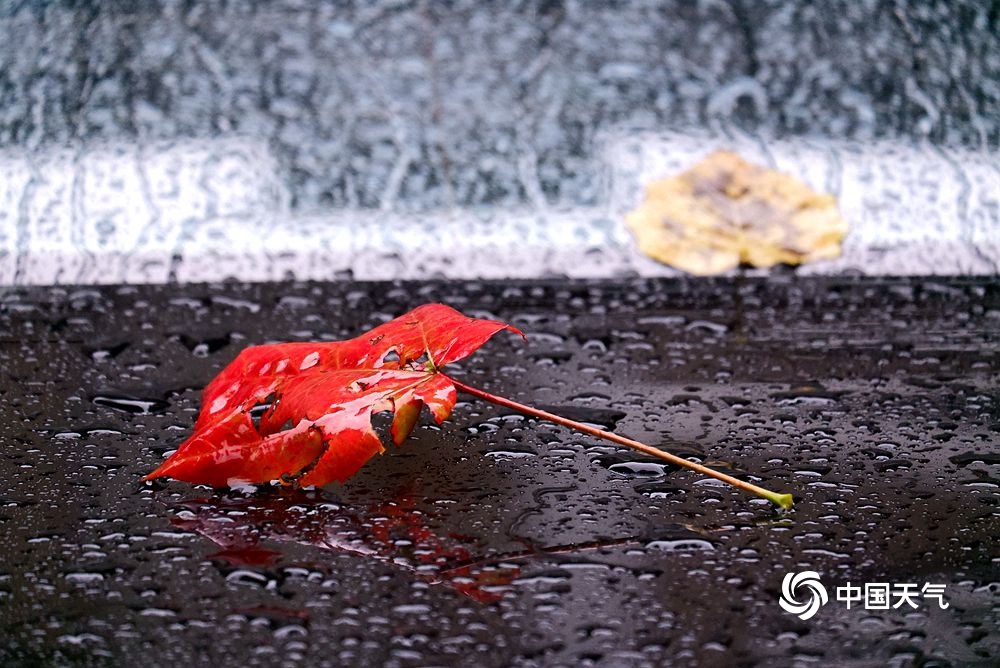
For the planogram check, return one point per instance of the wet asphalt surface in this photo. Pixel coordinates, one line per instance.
(495, 540)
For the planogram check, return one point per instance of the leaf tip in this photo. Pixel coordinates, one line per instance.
(158, 472)
(515, 330)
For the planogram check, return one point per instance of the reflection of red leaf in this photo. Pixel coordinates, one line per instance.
(395, 532)
(392, 532)
(321, 396)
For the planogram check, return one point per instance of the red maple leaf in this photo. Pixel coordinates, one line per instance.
(321, 397)
(318, 400)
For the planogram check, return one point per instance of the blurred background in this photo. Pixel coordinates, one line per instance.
(189, 141)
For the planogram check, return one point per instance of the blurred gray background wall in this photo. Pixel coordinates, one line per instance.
(154, 141)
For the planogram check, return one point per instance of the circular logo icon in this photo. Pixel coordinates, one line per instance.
(809, 582)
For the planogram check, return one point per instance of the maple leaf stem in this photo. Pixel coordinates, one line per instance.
(782, 500)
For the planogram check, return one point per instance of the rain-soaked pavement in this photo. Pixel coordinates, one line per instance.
(495, 540)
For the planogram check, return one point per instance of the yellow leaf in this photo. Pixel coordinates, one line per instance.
(724, 212)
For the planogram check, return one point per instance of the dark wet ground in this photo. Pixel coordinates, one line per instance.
(493, 540)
